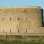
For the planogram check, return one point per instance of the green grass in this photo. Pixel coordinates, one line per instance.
(21, 42)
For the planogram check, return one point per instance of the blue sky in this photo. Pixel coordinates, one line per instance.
(20, 3)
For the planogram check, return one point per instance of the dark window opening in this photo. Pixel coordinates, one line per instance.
(10, 18)
(18, 30)
(10, 29)
(26, 29)
(18, 18)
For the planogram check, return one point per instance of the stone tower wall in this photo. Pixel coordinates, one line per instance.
(20, 20)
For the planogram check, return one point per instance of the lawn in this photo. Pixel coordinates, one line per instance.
(21, 41)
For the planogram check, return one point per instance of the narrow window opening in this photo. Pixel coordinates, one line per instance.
(18, 18)
(18, 30)
(26, 29)
(10, 29)
(10, 18)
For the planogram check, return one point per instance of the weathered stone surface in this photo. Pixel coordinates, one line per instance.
(20, 20)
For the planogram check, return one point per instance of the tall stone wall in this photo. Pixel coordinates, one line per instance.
(20, 20)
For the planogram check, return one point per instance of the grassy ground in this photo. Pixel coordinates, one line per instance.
(22, 41)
